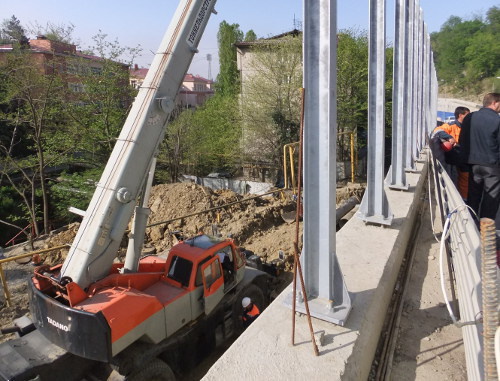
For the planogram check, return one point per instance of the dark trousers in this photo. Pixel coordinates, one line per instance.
(484, 190)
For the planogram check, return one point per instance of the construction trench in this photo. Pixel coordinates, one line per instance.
(255, 223)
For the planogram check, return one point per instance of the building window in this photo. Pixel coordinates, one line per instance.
(72, 68)
(76, 87)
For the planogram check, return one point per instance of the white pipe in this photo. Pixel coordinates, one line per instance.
(445, 234)
(441, 273)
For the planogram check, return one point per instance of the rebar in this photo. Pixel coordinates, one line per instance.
(296, 262)
(490, 296)
(6, 292)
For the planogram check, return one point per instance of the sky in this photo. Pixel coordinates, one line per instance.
(144, 22)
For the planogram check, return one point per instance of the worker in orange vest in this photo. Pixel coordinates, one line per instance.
(250, 311)
(449, 134)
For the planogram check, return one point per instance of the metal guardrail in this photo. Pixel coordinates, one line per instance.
(465, 250)
(12, 241)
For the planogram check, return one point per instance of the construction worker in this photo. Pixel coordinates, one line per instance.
(449, 136)
(250, 311)
(453, 129)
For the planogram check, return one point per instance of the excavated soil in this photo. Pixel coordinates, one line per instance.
(255, 225)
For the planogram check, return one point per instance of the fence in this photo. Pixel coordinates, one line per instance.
(464, 248)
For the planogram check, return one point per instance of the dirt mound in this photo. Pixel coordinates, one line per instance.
(60, 237)
(250, 222)
(351, 189)
(240, 220)
(255, 224)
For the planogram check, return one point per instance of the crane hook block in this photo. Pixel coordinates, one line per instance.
(123, 195)
(166, 105)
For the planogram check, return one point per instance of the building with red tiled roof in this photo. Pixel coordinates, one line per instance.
(194, 92)
(137, 76)
(63, 58)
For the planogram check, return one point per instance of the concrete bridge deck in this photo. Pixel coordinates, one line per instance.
(370, 257)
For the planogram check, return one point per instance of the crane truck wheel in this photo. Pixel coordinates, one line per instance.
(253, 292)
(155, 370)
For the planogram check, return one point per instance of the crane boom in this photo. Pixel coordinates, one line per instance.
(112, 205)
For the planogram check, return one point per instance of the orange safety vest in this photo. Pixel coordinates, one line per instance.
(451, 129)
(252, 314)
(463, 177)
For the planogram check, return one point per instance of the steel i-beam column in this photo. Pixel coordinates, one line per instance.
(426, 102)
(409, 96)
(421, 110)
(396, 178)
(325, 287)
(434, 90)
(416, 79)
(374, 207)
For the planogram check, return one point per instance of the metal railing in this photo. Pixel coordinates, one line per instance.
(30, 226)
(465, 251)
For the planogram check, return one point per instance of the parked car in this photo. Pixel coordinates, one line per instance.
(450, 119)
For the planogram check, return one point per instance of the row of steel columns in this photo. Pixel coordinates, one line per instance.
(414, 99)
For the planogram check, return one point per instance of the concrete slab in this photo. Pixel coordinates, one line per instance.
(370, 257)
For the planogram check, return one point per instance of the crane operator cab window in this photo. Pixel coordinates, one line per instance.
(180, 270)
(212, 273)
(227, 260)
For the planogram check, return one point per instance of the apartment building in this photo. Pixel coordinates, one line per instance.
(194, 92)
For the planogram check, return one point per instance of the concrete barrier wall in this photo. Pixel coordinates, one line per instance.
(238, 186)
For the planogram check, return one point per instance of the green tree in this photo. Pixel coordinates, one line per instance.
(250, 36)
(72, 189)
(55, 32)
(352, 86)
(467, 51)
(175, 147)
(203, 140)
(215, 137)
(102, 97)
(493, 18)
(64, 112)
(13, 31)
(36, 103)
(482, 56)
(270, 99)
(228, 80)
